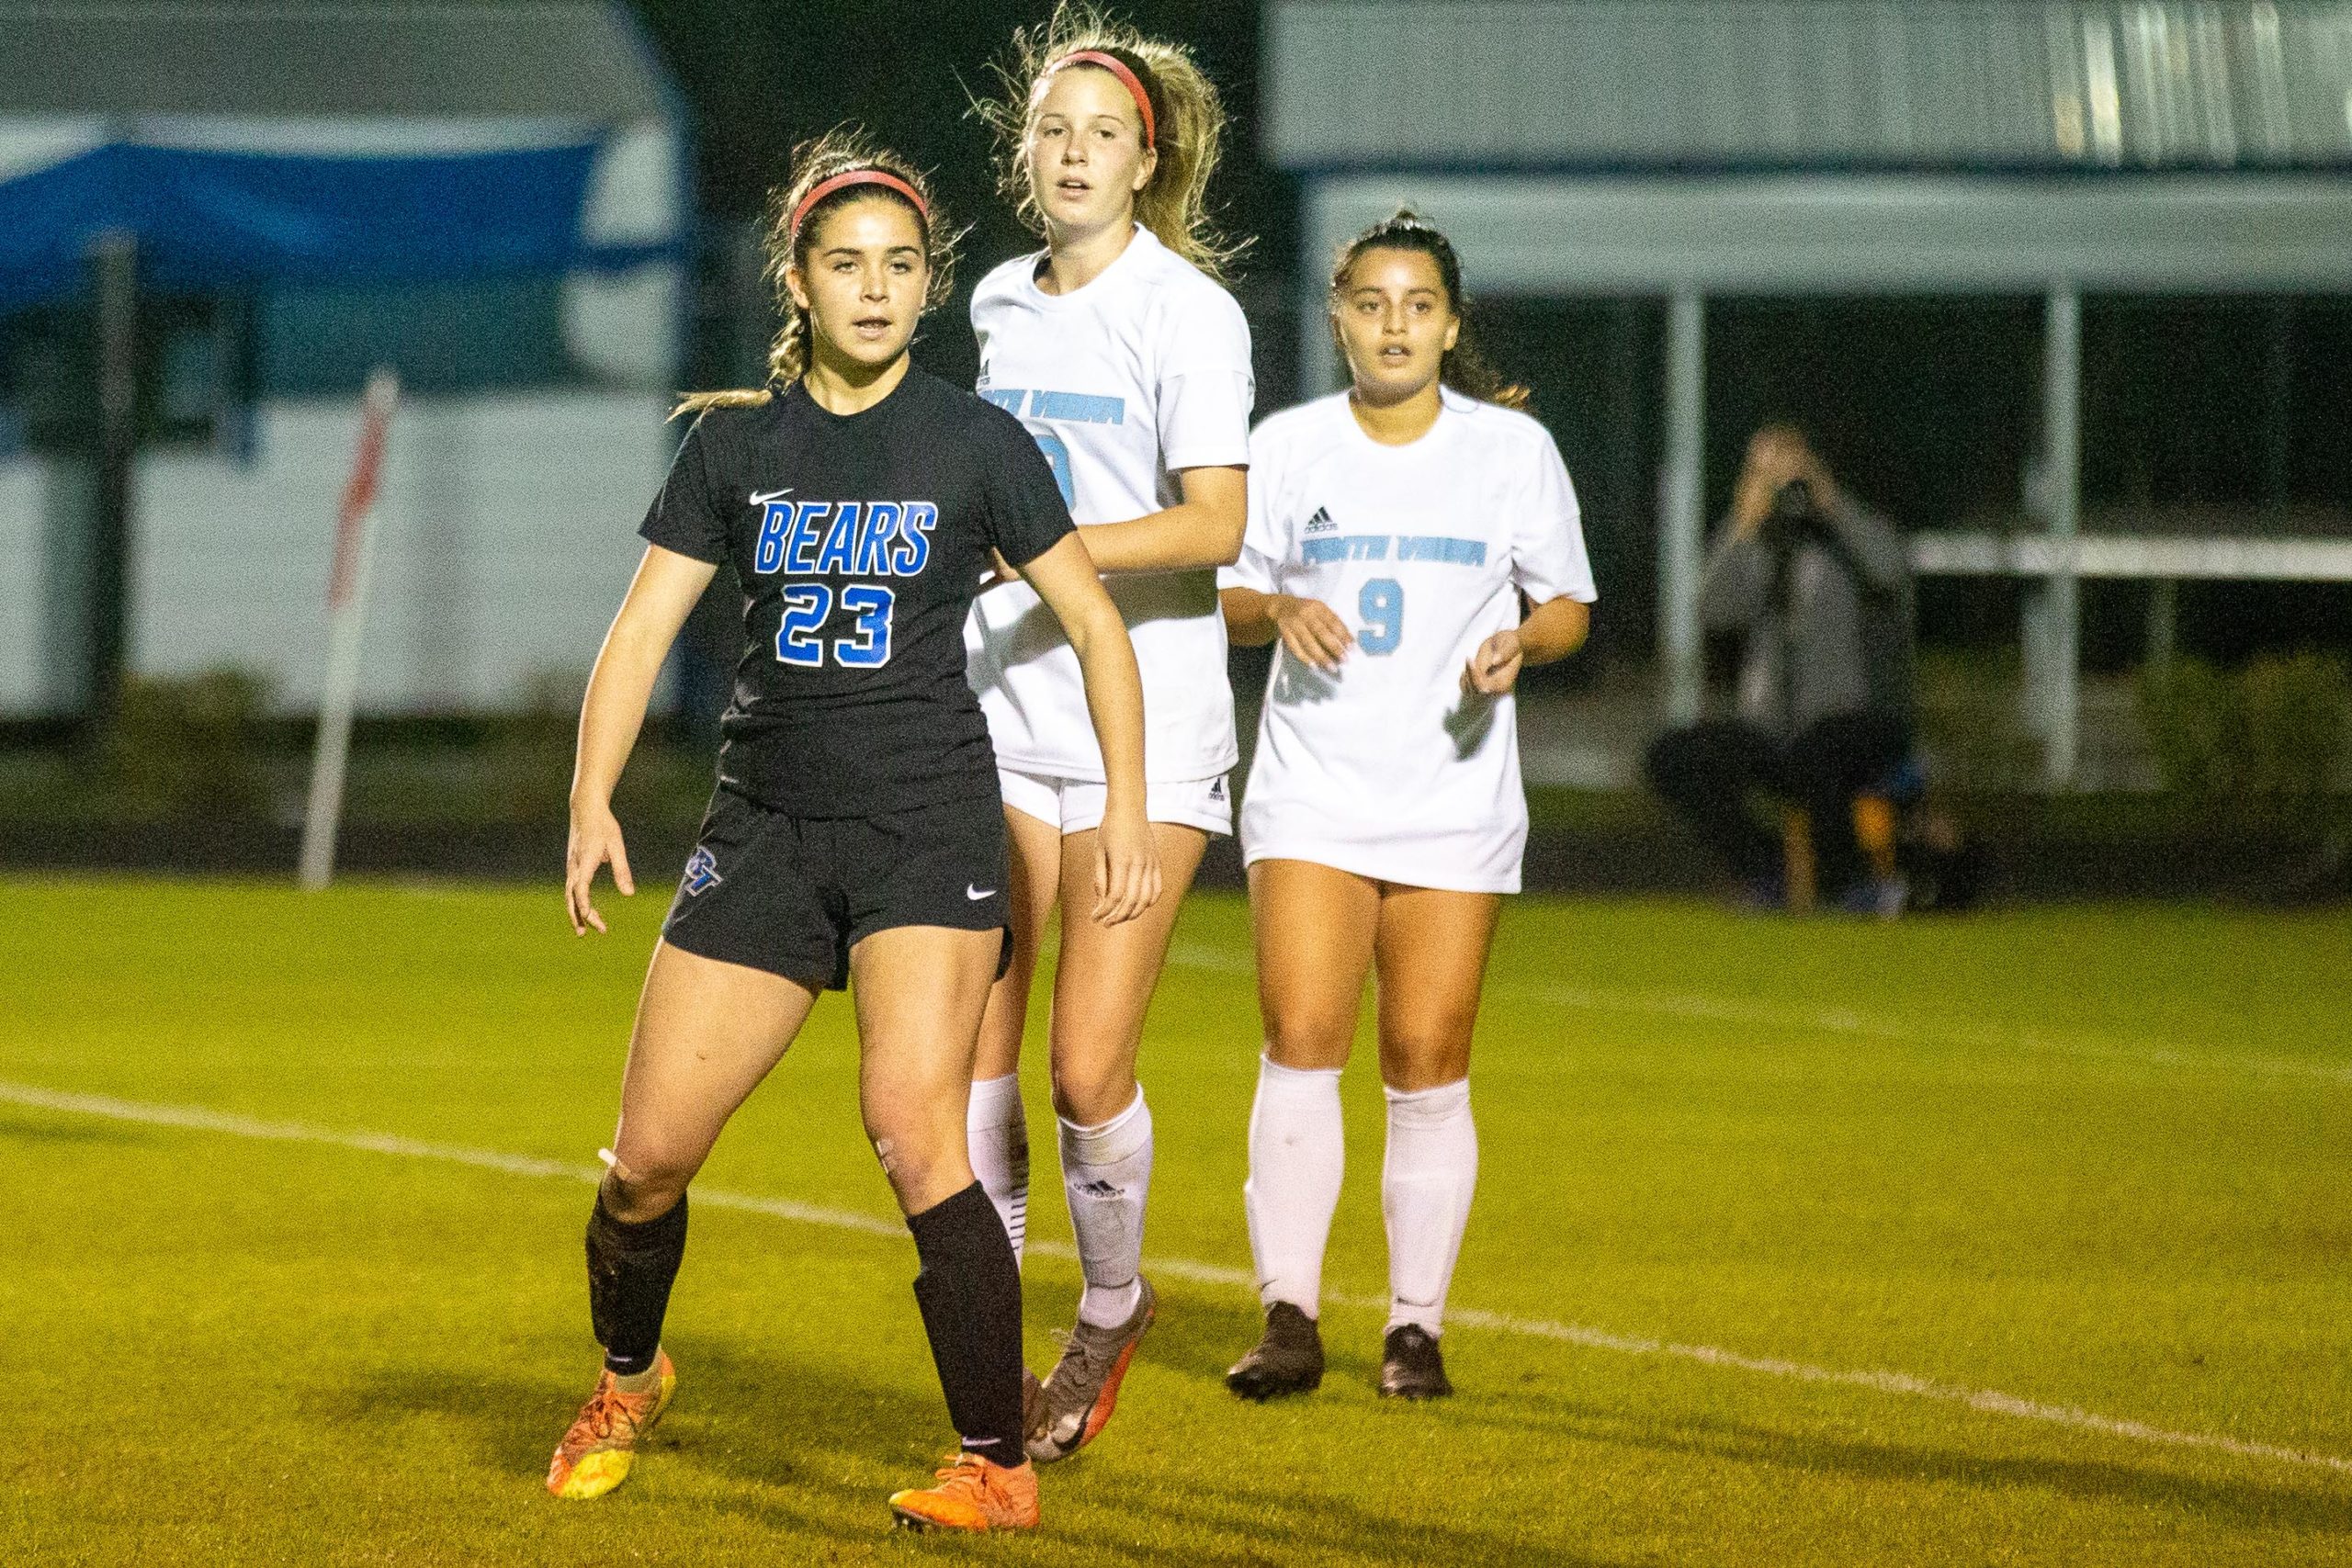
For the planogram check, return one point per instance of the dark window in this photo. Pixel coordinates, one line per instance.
(493, 334)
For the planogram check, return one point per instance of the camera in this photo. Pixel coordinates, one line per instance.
(1793, 518)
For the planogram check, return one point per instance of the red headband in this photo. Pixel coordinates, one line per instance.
(1127, 78)
(882, 177)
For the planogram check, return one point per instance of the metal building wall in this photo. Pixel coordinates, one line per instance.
(1649, 84)
(1863, 148)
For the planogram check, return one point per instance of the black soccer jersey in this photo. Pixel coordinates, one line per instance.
(860, 540)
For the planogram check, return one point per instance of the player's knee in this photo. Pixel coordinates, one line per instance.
(919, 1161)
(1304, 1041)
(644, 1189)
(1424, 1055)
(1092, 1092)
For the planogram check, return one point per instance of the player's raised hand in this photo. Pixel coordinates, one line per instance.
(1494, 669)
(1126, 868)
(1777, 455)
(595, 839)
(1312, 630)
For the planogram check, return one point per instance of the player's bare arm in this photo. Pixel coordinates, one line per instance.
(1552, 631)
(1126, 873)
(661, 597)
(1203, 530)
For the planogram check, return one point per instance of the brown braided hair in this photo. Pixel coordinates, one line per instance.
(844, 150)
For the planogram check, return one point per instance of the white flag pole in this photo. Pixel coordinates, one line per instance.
(347, 614)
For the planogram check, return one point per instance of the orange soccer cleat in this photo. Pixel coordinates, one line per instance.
(596, 1453)
(973, 1493)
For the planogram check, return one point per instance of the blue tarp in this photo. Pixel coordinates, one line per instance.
(209, 220)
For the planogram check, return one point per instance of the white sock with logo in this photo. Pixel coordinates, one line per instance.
(1297, 1153)
(999, 1134)
(1425, 1186)
(1106, 1171)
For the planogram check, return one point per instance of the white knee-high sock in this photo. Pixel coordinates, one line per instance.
(1106, 1171)
(999, 1134)
(1297, 1153)
(1425, 1187)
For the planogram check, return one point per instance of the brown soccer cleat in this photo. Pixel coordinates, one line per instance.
(973, 1493)
(1411, 1366)
(1288, 1359)
(1082, 1389)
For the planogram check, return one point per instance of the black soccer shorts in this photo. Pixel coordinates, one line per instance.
(793, 895)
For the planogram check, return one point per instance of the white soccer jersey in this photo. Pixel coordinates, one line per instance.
(1386, 769)
(1143, 372)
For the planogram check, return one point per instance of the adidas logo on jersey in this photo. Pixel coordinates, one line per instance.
(1321, 522)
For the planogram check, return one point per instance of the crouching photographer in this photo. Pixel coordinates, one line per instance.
(1819, 590)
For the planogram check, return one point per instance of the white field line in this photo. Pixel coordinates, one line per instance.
(1838, 1021)
(1990, 1400)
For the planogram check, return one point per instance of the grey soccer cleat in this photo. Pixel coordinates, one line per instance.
(1411, 1366)
(1287, 1359)
(1075, 1403)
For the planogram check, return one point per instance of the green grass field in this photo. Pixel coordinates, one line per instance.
(2098, 1161)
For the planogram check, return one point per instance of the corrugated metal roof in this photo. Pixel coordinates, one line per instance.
(552, 60)
(1846, 233)
(1809, 83)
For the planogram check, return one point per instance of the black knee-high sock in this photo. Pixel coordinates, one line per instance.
(969, 1292)
(631, 1268)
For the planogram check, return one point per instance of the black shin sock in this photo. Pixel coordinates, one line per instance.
(631, 1268)
(969, 1292)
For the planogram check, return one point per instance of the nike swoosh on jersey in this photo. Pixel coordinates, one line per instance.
(977, 894)
(759, 499)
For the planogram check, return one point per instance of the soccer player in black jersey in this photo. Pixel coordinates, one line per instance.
(856, 836)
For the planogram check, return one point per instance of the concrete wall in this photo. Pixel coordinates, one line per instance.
(505, 537)
(23, 624)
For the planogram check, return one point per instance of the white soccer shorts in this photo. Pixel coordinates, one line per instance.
(1076, 805)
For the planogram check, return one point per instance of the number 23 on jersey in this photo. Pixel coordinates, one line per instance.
(809, 605)
(877, 538)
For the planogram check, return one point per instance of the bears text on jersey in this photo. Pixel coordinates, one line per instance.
(855, 538)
